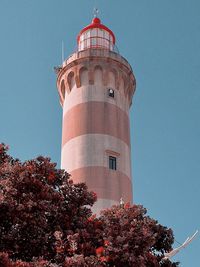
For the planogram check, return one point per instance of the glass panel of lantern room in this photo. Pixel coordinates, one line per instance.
(107, 44)
(85, 43)
(88, 42)
(104, 43)
(100, 33)
(106, 35)
(87, 34)
(111, 42)
(81, 45)
(100, 42)
(93, 32)
(81, 37)
(93, 42)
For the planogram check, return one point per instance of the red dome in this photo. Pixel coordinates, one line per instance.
(96, 23)
(96, 20)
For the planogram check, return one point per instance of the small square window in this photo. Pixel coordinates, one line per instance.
(111, 92)
(112, 163)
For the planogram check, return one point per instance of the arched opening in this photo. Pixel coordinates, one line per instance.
(98, 75)
(62, 88)
(112, 78)
(122, 84)
(83, 74)
(71, 80)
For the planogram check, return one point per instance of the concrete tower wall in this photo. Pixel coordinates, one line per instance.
(96, 126)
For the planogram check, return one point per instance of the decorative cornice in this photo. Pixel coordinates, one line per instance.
(110, 62)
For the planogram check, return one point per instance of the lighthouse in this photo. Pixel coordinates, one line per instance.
(96, 85)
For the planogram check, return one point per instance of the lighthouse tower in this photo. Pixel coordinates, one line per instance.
(96, 85)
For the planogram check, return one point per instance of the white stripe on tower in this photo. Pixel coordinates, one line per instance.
(81, 151)
(94, 93)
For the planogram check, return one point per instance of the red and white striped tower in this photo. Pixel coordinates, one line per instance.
(96, 85)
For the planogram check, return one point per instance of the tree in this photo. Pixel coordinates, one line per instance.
(46, 220)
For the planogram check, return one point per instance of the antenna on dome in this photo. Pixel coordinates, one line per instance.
(96, 12)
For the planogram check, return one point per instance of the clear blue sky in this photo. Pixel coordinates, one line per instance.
(161, 40)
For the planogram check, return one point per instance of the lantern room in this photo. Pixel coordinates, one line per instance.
(96, 35)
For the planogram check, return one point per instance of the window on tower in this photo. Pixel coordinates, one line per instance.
(111, 92)
(112, 163)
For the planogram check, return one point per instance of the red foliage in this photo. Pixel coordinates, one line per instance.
(45, 221)
(99, 251)
(106, 243)
(127, 205)
(103, 258)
